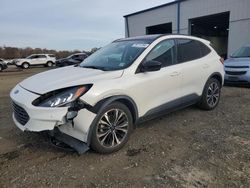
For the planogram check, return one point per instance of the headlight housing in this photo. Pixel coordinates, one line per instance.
(61, 97)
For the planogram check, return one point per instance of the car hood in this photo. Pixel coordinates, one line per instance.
(237, 62)
(66, 77)
(21, 59)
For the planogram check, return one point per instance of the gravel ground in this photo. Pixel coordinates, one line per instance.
(187, 148)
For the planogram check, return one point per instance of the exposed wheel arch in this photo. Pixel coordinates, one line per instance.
(217, 76)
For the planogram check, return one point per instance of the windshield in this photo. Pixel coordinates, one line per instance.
(242, 52)
(115, 56)
(29, 57)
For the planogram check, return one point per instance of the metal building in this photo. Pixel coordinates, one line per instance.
(226, 23)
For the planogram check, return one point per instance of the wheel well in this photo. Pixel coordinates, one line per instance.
(127, 101)
(217, 77)
(25, 62)
(130, 107)
(49, 62)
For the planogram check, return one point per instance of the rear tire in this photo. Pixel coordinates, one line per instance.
(25, 65)
(112, 128)
(1, 68)
(211, 95)
(49, 64)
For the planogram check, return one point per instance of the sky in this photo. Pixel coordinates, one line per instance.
(66, 24)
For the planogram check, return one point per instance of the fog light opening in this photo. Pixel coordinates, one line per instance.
(71, 115)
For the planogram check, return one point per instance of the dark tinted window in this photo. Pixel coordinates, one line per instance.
(83, 56)
(74, 57)
(41, 56)
(204, 49)
(51, 55)
(187, 50)
(163, 52)
(34, 57)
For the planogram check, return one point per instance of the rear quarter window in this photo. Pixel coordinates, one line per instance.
(189, 50)
(204, 49)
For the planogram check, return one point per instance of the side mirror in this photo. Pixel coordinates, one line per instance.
(150, 66)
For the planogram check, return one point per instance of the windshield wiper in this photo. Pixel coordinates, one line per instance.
(94, 67)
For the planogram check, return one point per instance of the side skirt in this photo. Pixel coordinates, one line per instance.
(169, 107)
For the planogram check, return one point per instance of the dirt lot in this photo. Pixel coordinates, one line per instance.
(188, 148)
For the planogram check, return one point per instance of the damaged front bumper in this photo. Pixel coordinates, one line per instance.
(28, 117)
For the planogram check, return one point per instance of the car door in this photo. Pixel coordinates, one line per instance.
(159, 90)
(34, 60)
(42, 59)
(194, 69)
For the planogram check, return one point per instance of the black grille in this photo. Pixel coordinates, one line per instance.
(237, 67)
(236, 73)
(20, 114)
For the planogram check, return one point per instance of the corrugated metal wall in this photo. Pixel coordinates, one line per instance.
(239, 33)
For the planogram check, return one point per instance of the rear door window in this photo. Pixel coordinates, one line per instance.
(33, 57)
(41, 56)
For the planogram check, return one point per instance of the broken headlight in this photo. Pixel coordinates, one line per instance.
(61, 97)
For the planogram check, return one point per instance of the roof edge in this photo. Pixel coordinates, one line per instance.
(153, 8)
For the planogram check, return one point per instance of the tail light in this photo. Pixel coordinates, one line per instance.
(222, 60)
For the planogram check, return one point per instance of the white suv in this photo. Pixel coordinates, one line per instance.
(35, 60)
(98, 103)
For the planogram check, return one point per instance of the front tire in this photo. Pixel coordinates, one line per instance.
(112, 128)
(211, 95)
(25, 65)
(1, 68)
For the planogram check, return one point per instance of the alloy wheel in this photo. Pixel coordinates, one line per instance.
(112, 128)
(49, 64)
(213, 94)
(25, 65)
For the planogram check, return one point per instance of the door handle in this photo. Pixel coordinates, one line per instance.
(175, 73)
